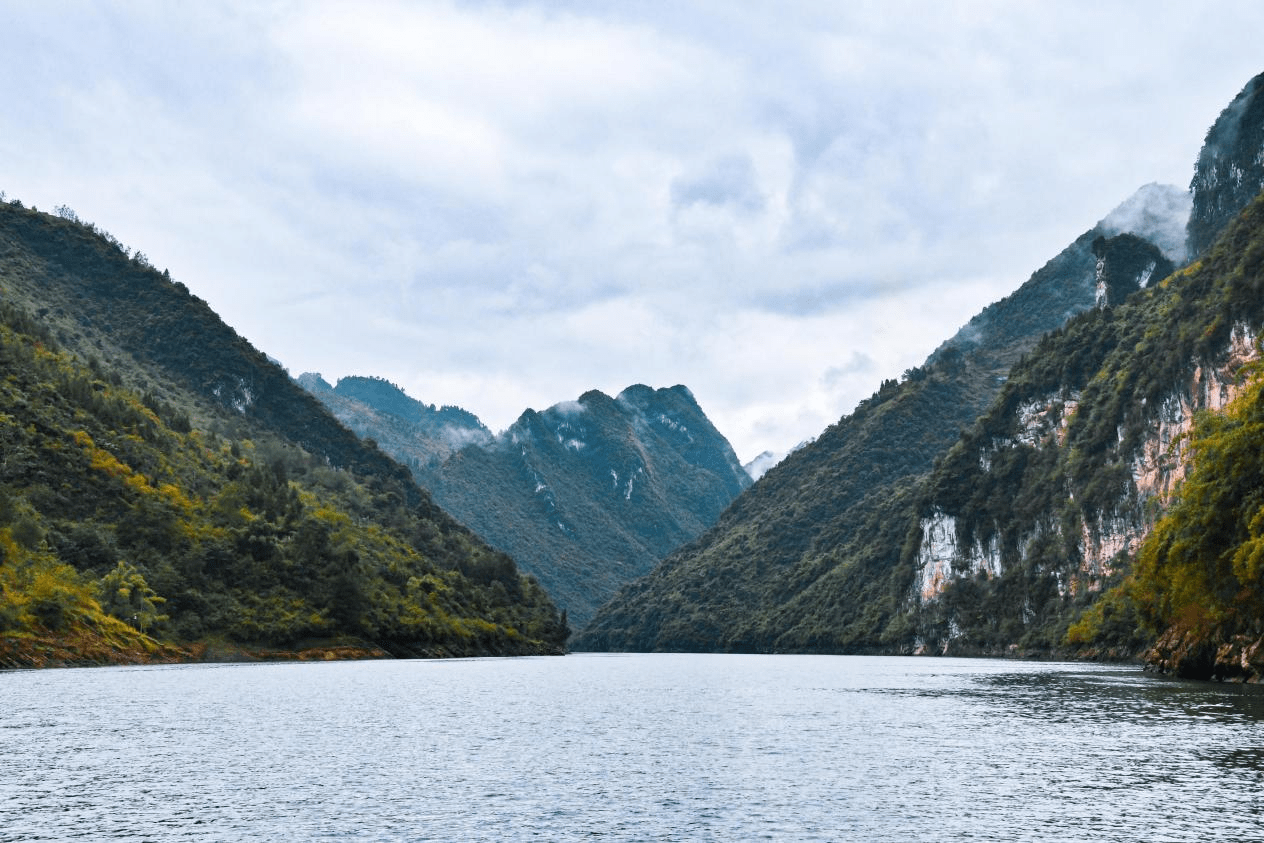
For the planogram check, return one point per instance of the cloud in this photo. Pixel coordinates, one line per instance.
(505, 204)
(728, 181)
(858, 364)
(1157, 212)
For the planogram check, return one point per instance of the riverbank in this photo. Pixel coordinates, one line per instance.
(86, 646)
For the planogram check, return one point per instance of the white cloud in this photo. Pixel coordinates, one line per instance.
(502, 205)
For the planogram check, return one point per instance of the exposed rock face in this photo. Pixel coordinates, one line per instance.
(1126, 263)
(1230, 168)
(948, 553)
(1161, 462)
(942, 558)
(1190, 654)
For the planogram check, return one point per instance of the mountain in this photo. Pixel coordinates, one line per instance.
(165, 487)
(585, 495)
(414, 433)
(1230, 168)
(1001, 539)
(747, 584)
(1044, 503)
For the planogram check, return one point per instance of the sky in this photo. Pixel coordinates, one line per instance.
(503, 205)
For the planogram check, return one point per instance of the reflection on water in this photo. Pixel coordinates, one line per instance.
(655, 747)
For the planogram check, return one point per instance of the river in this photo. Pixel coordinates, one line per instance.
(629, 747)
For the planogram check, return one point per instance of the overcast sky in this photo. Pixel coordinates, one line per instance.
(503, 205)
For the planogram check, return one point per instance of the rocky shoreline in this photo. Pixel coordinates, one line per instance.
(1188, 654)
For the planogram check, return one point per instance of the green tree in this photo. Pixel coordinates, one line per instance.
(126, 596)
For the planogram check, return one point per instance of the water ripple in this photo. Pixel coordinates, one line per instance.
(647, 748)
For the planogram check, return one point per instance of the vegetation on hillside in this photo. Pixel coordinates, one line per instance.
(1105, 380)
(140, 508)
(1196, 589)
(804, 560)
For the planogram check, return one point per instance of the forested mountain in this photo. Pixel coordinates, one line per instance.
(162, 481)
(764, 577)
(1043, 502)
(1038, 507)
(586, 495)
(415, 434)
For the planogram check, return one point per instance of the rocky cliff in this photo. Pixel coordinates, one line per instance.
(1230, 168)
(1044, 503)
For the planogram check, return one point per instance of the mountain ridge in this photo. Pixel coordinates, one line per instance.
(585, 494)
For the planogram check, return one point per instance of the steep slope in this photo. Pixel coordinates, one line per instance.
(1230, 168)
(163, 477)
(1198, 580)
(1044, 502)
(768, 576)
(588, 494)
(98, 301)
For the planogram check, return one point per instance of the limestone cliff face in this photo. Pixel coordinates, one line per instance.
(1160, 464)
(943, 557)
(1101, 538)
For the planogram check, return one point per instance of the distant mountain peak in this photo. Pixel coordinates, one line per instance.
(589, 493)
(313, 382)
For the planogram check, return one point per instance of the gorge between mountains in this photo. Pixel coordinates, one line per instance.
(1035, 488)
(395, 480)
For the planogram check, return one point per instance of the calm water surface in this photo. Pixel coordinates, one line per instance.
(629, 747)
